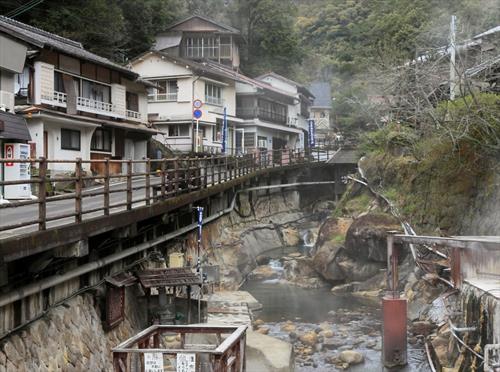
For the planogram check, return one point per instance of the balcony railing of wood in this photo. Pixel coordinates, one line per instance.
(143, 182)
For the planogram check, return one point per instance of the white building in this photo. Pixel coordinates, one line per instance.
(179, 83)
(78, 104)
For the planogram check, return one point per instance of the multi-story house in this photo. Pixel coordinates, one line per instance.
(321, 109)
(78, 104)
(297, 111)
(179, 83)
(199, 38)
(198, 59)
(265, 113)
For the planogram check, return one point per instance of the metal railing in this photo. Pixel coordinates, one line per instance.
(118, 185)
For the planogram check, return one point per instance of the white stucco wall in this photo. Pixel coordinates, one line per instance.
(37, 126)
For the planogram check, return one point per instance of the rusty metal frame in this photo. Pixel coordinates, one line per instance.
(228, 355)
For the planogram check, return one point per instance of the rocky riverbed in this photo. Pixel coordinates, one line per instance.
(328, 331)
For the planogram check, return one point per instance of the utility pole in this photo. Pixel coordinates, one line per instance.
(453, 52)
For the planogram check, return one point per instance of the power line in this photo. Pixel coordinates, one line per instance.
(23, 8)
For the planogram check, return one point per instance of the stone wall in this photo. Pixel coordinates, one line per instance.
(70, 337)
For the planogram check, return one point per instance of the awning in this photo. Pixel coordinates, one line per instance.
(121, 280)
(168, 277)
(13, 127)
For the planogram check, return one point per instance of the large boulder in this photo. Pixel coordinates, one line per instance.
(358, 271)
(366, 238)
(325, 264)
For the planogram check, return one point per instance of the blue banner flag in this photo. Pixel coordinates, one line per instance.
(200, 221)
(224, 132)
(312, 133)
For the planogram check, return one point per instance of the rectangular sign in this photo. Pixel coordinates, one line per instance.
(9, 154)
(186, 362)
(153, 362)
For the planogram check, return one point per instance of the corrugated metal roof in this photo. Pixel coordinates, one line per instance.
(14, 127)
(41, 38)
(167, 277)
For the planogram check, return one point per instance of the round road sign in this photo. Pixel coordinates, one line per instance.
(197, 114)
(197, 103)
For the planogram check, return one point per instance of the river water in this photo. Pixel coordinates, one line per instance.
(354, 321)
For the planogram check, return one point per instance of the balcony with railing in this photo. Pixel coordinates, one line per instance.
(261, 113)
(162, 97)
(97, 107)
(216, 101)
(133, 115)
(56, 99)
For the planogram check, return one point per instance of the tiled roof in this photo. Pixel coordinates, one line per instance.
(218, 24)
(14, 127)
(322, 93)
(41, 38)
(287, 80)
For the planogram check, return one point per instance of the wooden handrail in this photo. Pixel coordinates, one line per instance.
(174, 176)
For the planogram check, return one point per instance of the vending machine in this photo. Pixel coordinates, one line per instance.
(17, 171)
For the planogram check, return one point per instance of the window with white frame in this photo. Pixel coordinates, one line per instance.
(166, 91)
(213, 94)
(202, 47)
(178, 130)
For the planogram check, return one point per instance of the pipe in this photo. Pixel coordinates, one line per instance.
(34, 288)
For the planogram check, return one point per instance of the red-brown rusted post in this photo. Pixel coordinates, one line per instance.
(42, 192)
(148, 181)
(129, 185)
(106, 187)
(78, 190)
(456, 271)
(394, 343)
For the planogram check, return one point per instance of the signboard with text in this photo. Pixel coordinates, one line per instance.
(153, 362)
(186, 362)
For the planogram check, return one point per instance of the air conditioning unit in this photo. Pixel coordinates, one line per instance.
(6, 101)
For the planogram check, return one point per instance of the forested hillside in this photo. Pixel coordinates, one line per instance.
(344, 41)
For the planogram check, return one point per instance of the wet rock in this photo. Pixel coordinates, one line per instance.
(351, 357)
(262, 259)
(324, 262)
(358, 270)
(310, 338)
(291, 236)
(288, 327)
(264, 272)
(258, 322)
(423, 328)
(366, 237)
(263, 330)
(326, 334)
